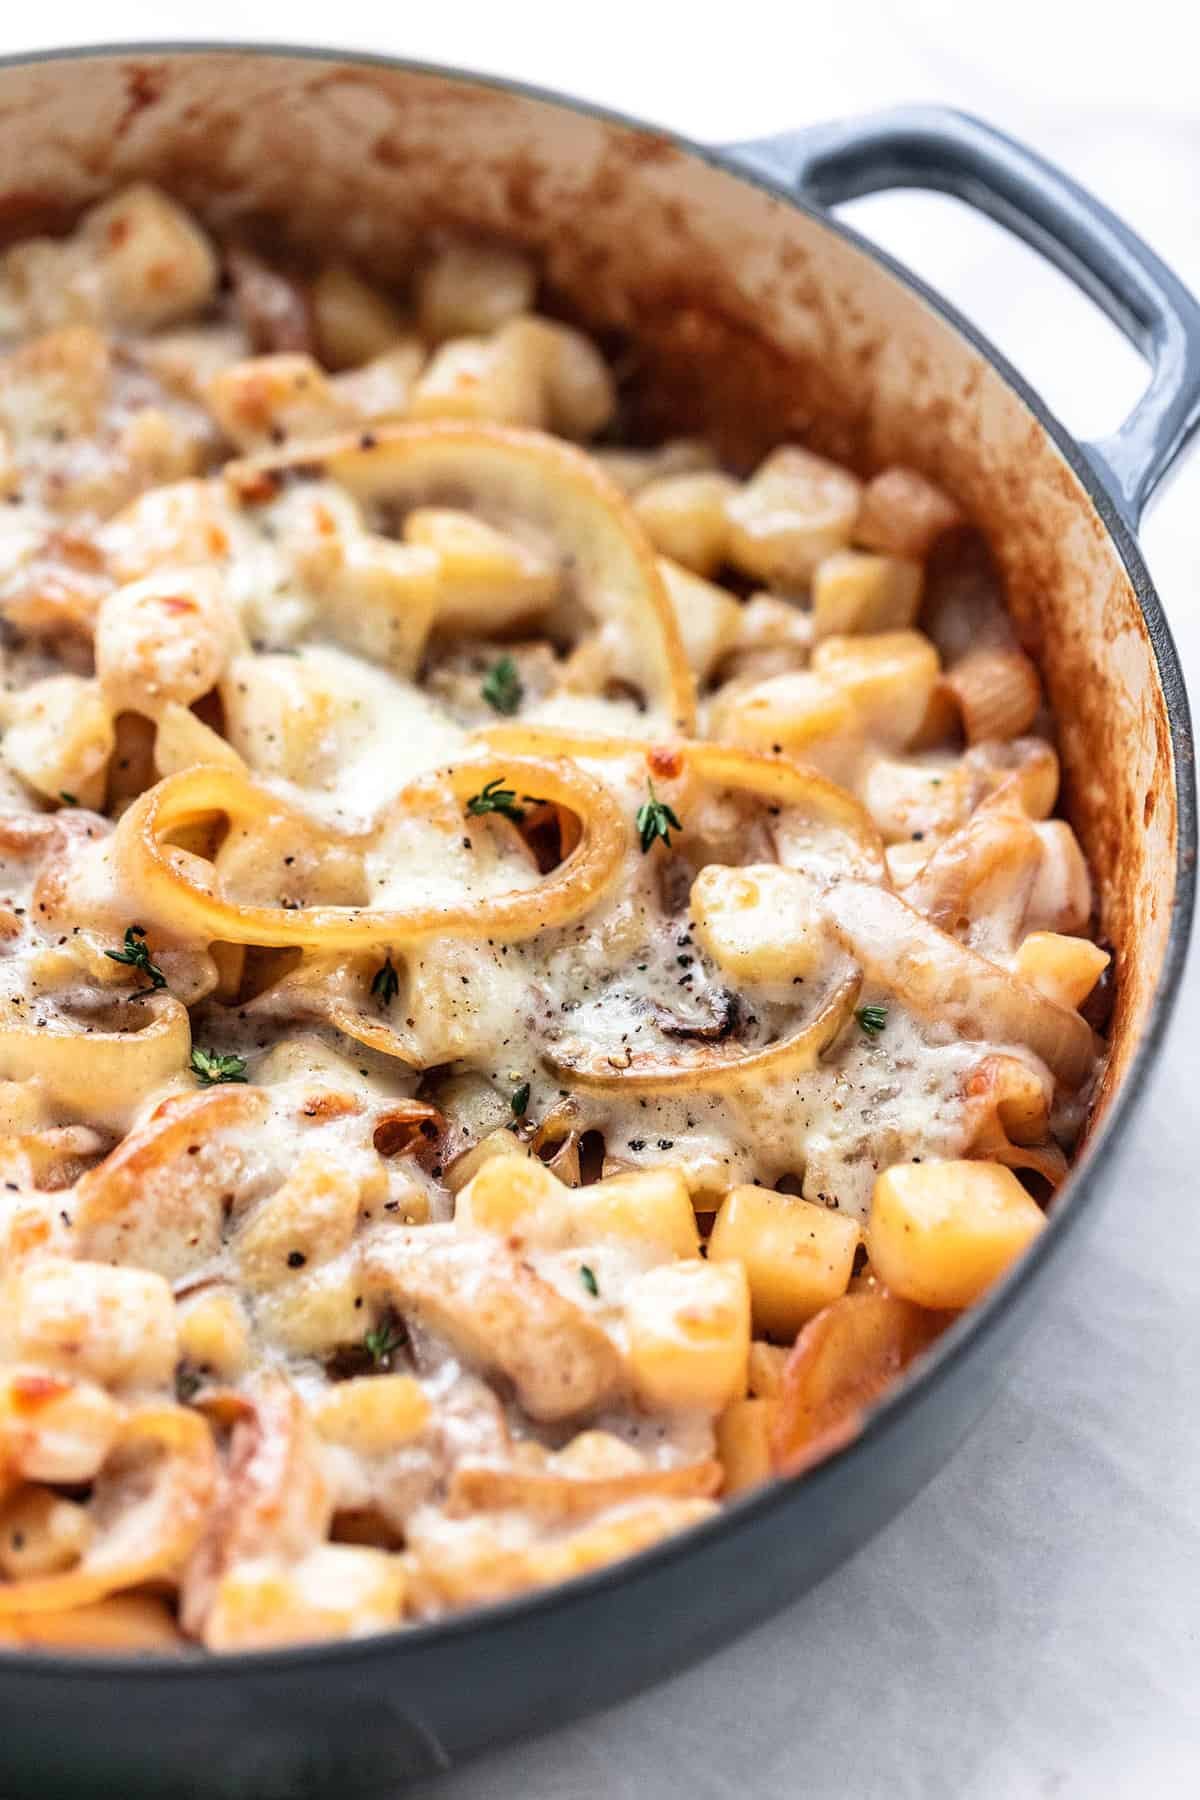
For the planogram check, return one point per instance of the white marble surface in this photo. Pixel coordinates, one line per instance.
(1031, 1625)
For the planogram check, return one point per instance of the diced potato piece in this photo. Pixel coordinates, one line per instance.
(685, 517)
(213, 1332)
(372, 1414)
(354, 321)
(60, 737)
(773, 637)
(166, 637)
(1062, 888)
(650, 1206)
(464, 1168)
(111, 1325)
(482, 378)
(707, 616)
(764, 1375)
(904, 796)
(1065, 969)
(856, 592)
(940, 1233)
(268, 398)
(383, 598)
(796, 510)
(798, 1256)
(512, 1194)
(744, 1444)
(336, 1591)
(310, 1219)
(487, 580)
(889, 677)
(314, 1312)
(578, 393)
(758, 922)
(41, 1533)
(470, 289)
(903, 514)
(800, 712)
(688, 1327)
(156, 264)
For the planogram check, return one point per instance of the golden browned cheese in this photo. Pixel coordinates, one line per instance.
(535, 974)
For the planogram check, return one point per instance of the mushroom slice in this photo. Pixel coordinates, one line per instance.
(499, 1314)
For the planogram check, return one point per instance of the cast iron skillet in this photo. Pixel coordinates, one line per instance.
(367, 1717)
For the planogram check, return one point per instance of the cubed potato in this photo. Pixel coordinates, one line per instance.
(487, 581)
(940, 1233)
(316, 1312)
(706, 614)
(688, 1333)
(799, 711)
(354, 321)
(464, 1168)
(41, 1533)
(115, 1326)
(471, 289)
(888, 677)
(308, 1220)
(853, 591)
(903, 796)
(482, 378)
(513, 1195)
(60, 737)
(578, 395)
(156, 264)
(903, 514)
(798, 1256)
(372, 1414)
(1062, 888)
(651, 1206)
(759, 922)
(382, 599)
(1065, 969)
(336, 1591)
(685, 518)
(796, 510)
(744, 1444)
(214, 1333)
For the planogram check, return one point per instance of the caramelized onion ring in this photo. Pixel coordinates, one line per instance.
(505, 473)
(777, 780)
(170, 893)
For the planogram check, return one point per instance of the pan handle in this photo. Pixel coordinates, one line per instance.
(939, 148)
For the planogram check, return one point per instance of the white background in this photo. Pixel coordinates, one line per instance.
(1031, 1625)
